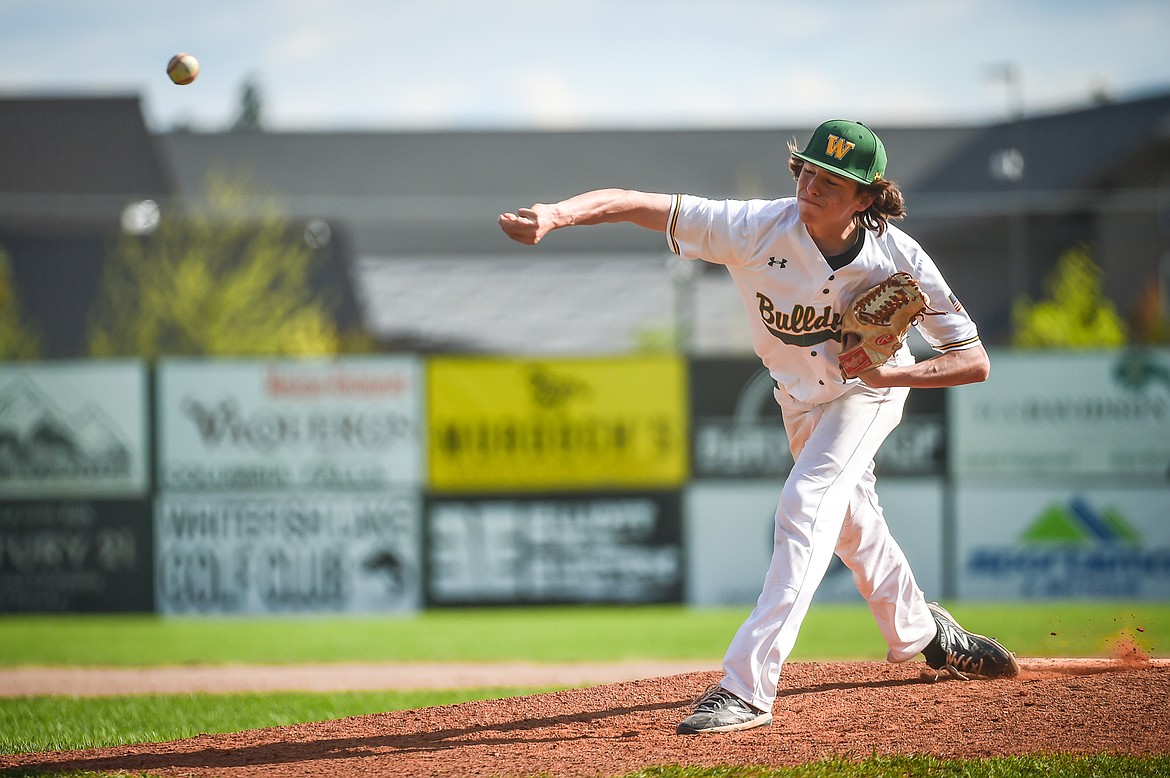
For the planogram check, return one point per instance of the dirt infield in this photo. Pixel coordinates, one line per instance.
(854, 709)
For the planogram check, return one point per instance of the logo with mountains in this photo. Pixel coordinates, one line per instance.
(1080, 523)
(41, 441)
(1073, 550)
(1140, 368)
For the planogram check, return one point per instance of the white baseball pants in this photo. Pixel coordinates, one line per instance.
(828, 505)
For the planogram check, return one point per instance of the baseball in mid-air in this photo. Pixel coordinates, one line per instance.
(183, 68)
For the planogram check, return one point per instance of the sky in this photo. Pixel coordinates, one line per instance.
(370, 65)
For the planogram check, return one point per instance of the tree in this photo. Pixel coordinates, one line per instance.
(18, 340)
(1147, 324)
(1076, 313)
(221, 281)
(251, 107)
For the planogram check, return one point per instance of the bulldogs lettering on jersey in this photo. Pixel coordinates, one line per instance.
(803, 326)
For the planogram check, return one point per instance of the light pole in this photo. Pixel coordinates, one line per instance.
(1007, 165)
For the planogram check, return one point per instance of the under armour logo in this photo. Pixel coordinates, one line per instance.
(782, 262)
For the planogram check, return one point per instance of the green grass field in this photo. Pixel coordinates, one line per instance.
(547, 635)
(570, 634)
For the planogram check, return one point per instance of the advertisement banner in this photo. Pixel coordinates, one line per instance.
(538, 425)
(348, 424)
(72, 556)
(73, 429)
(305, 553)
(729, 530)
(554, 549)
(738, 431)
(1066, 414)
(1047, 542)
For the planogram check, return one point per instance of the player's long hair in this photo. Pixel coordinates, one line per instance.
(888, 202)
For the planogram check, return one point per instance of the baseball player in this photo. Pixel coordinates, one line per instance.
(798, 263)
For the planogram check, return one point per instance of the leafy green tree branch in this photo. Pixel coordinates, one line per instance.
(18, 339)
(1076, 314)
(230, 278)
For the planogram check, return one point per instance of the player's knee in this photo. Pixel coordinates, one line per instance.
(792, 515)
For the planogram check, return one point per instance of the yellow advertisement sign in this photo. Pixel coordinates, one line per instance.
(507, 424)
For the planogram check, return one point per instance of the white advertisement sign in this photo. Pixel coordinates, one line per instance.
(729, 529)
(1065, 414)
(346, 424)
(1048, 542)
(73, 429)
(314, 552)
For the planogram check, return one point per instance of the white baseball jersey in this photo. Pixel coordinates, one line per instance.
(794, 300)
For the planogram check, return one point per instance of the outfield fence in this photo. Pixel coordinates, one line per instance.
(396, 483)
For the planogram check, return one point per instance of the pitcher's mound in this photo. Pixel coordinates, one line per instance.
(825, 710)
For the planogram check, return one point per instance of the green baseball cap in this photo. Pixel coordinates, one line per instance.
(848, 149)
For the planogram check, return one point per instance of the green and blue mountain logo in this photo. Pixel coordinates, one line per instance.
(1080, 523)
(1073, 549)
(1139, 368)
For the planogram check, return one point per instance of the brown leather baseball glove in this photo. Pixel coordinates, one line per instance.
(876, 325)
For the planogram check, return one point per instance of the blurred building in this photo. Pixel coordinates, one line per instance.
(69, 167)
(411, 217)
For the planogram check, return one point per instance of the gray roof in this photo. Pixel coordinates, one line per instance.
(416, 193)
(69, 160)
(401, 193)
(1066, 152)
